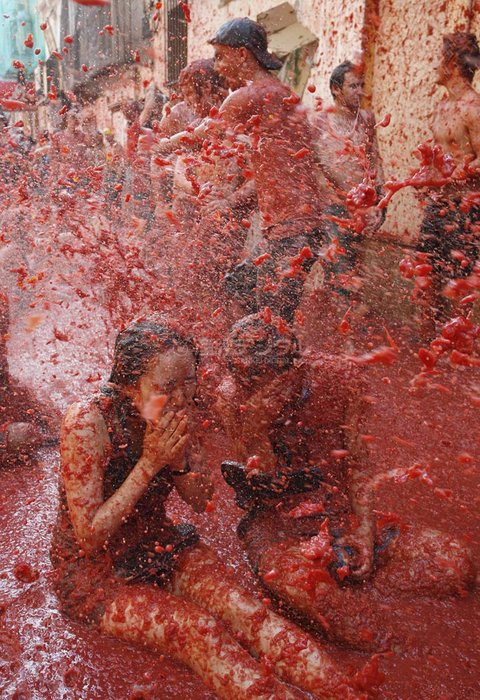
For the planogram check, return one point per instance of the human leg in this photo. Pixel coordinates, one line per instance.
(154, 618)
(309, 582)
(305, 585)
(425, 562)
(294, 655)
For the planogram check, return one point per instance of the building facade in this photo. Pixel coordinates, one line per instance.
(115, 51)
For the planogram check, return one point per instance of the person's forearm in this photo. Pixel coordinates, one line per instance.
(111, 515)
(361, 500)
(172, 143)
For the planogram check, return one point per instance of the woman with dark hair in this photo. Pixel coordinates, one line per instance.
(122, 566)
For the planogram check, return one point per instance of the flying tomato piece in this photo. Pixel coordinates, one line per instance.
(385, 121)
(186, 11)
(92, 3)
(13, 105)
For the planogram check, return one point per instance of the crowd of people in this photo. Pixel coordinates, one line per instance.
(226, 207)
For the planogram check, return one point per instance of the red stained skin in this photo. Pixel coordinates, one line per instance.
(438, 662)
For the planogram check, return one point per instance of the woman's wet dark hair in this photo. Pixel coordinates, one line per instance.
(138, 344)
(463, 48)
(269, 345)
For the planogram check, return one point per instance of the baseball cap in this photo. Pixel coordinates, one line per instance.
(249, 34)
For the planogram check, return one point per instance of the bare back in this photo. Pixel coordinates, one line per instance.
(283, 162)
(456, 128)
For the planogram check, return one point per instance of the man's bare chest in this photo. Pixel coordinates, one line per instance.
(449, 128)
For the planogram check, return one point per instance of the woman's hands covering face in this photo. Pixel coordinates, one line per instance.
(164, 441)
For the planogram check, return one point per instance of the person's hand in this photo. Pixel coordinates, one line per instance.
(22, 436)
(164, 441)
(361, 561)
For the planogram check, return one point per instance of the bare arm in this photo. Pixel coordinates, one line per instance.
(233, 114)
(243, 198)
(148, 106)
(472, 123)
(85, 451)
(361, 491)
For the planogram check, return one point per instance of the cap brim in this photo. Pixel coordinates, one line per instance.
(266, 59)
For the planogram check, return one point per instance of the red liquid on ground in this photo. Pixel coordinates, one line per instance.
(61, 331)
(46, 656)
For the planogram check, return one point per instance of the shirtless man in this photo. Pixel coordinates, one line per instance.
(311, 532)
(199, 94)
(210, 198)
(269, 115)
(347, 151)
(449, 232)
(207, 180)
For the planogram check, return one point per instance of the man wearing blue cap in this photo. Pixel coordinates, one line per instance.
(270, 115)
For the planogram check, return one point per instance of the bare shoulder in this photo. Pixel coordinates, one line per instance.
(181, 111)
(242, 95)
(470, 104)
(83, 417)
(259, 91)
(177, 119)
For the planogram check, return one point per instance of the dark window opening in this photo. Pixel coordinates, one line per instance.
(176, 41)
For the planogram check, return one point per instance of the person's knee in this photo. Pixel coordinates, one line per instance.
(451, 570)
(429, 562)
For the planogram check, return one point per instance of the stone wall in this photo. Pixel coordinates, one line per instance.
(401, 43)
